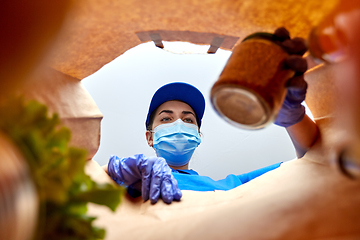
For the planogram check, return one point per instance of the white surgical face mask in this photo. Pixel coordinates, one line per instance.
(176, 142)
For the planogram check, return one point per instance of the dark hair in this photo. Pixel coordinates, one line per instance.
(151, 120)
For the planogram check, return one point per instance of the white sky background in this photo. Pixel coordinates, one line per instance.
(123, 89)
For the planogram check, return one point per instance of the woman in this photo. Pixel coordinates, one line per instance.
(173, 126)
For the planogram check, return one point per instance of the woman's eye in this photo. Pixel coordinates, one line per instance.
(165, 119)
(188, 120)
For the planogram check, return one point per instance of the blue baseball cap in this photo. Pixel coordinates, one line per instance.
(182, 92)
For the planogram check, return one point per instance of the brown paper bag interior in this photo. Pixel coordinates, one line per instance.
(306, 198)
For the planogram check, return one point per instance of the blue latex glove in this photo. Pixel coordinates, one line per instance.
(150, 175)
(292, 111)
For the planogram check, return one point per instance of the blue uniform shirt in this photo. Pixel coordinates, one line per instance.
(191, 180)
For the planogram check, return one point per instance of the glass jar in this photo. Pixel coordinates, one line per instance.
(251, 88)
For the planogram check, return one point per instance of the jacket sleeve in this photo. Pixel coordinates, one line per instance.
(246, 177)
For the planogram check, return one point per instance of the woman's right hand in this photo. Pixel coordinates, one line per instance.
(149, 175)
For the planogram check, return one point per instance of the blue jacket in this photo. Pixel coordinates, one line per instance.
(191, 180)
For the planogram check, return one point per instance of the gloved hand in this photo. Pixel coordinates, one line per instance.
(292, 111)
(149, 175)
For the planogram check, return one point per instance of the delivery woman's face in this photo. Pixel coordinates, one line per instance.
(169, 112)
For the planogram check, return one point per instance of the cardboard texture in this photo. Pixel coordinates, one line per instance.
(96, 32)
(67, 97)
(26, 39)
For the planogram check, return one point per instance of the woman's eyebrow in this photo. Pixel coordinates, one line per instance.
(188, 112)
(166, 111)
